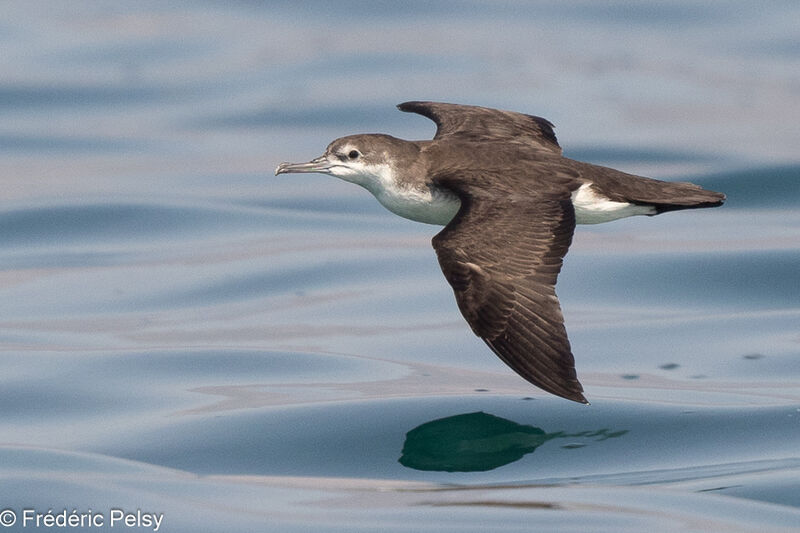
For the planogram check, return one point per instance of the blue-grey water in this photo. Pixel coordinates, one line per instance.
(184, 335)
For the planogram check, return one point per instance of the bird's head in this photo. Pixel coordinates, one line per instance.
(369, 160)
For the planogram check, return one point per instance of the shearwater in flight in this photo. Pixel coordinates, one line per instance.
(509, 202)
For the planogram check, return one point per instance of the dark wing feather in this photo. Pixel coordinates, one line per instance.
(509, 297)
(480, 124)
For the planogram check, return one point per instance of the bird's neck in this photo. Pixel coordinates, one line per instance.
(414, 197)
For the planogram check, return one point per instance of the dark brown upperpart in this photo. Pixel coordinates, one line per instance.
(503, 251)
(511, 150)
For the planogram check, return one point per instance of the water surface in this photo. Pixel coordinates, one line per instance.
(183, 333)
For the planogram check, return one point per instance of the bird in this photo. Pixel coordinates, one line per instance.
(509, 202)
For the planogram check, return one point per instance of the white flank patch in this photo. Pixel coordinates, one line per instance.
(593, 208)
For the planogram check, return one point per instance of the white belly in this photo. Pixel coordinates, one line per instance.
(439, 207)
(593, 208)
(427, 206)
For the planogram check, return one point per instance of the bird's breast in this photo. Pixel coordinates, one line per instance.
(426, 204)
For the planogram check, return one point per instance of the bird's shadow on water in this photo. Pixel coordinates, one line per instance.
(478, 442)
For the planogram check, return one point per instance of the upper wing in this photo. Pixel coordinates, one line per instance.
(502, 259)
(475, 123)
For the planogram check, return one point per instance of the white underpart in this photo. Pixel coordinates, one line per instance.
(418, 204)
(437, 206)
(421, 205)
(593, 208)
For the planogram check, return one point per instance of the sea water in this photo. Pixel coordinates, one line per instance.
(185, 336)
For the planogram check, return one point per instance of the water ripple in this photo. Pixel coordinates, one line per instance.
(45, 226)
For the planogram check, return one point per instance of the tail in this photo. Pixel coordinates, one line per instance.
(662, 195)
(675, 196)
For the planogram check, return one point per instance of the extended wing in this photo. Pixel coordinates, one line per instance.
(502, 259)
(480, 124)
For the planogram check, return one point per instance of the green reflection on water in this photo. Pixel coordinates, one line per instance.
(477, 442)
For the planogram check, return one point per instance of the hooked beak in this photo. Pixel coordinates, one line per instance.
(320, 164)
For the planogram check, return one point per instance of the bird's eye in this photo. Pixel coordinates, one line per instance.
(353, 154)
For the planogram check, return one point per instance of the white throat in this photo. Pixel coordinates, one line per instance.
(421, 204)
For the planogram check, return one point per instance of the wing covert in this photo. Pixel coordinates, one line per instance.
(502, 260)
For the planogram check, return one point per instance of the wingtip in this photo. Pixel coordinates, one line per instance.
(572, 391)
(409, 106)
(577, 398)
(571, 394)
